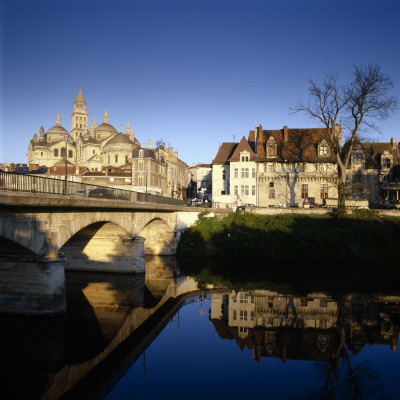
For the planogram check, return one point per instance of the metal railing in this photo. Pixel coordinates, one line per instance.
(37, 184)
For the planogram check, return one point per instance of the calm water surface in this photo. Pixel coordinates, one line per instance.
(160, 336)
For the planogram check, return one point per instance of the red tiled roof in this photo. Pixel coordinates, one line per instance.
(243, 146)
(224, 153)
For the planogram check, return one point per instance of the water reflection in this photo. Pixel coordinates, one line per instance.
(314, 328)
(113, 318)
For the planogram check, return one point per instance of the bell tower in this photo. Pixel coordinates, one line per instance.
(79, 117)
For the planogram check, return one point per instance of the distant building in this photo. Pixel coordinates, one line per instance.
(201, 176)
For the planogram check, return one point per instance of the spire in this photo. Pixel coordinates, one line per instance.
(131, 135)
(149, 144)
(41, 133)
(58, 120)
(93, 126)
(80, 98)
(35, 137)
(128, 129)
(106, 117)
(122, 128)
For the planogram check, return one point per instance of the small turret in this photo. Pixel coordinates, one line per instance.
(58, 120)
(128, 128)
(131, 135)
(93, 127)
(149, 146)
(35, 137)
(41, 134)
(106, 117)
(122, 128)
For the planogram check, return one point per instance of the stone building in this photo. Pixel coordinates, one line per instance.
(284, 167)
(98, 148)
(201, 178)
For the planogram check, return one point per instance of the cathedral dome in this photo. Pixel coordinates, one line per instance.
(58, 130)
(105, 128)
(119, 138)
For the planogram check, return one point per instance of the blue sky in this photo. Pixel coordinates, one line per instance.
(192, 72)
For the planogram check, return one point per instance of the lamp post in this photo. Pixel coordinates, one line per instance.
(65, 180)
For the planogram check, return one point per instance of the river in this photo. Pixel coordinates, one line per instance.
(162, 335)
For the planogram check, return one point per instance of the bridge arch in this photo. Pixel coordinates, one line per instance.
(159, 237)
(104, 246)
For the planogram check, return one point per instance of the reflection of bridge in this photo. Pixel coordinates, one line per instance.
(109, 324)
(42, 234)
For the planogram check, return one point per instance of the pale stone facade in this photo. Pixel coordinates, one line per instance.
(283, 167)
(98, 148)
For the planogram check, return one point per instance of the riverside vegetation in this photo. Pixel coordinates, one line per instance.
(308, 252)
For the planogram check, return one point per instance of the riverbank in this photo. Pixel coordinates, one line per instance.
(364, 237)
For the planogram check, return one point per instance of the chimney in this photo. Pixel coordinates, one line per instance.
(285, 134)
(338, 133)
(176, 154)
(393, 142)
(170, 151)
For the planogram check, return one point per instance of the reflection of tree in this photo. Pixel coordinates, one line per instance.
(340, 378)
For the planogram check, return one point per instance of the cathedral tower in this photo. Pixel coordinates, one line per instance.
(79, 117)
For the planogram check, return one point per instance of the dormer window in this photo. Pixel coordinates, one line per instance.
(271, 147)
(140, 153)
(323, 148)
(357, 156)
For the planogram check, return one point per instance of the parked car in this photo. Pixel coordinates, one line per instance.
(102, 193)
(309, 202)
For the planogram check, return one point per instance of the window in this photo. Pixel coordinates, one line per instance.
(300, 167)
(304, 190)
(234, 314)
(93, 151)
(324, 191)
(323, 148)
(41, 153)
(235, 190)
(271, 184)
(243, 329)
(236, 173)
(270, 168)
(76, 125)
(223, 175)
(243, 298)
(323, 303)
(140, 153)
(253, 172)
(243, 315)
(358, 158)
(245, 158)
(357, 193)
(140, 180)
(63, 152)
(245, 173)
(323, 168)
(244, 190)
(116, 158)
(253, 190)
(140, 165)
(80, 118)
(76, 118)
(80, 125)
(387, 163)
(303, 302)
(126, 159)
(271, 147)
(109, 159)
(271, 193)
(252, 315)
(70, 154)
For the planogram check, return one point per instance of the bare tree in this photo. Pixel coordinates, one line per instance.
(349, 110)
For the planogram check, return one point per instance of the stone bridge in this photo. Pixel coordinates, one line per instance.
(41, 235)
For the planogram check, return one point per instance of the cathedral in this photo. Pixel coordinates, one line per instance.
(95, 148)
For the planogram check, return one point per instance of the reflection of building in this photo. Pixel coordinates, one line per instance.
(275, 325)
(284, 166)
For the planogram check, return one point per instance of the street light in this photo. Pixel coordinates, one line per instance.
(65, 181)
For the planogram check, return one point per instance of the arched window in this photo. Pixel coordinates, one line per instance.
(323, 148)
(140, 153)
(69, 153)
(55, 152)
(116, 158)
(271, 147)
(63, 152)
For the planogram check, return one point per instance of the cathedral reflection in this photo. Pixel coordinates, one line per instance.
(304, 328)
